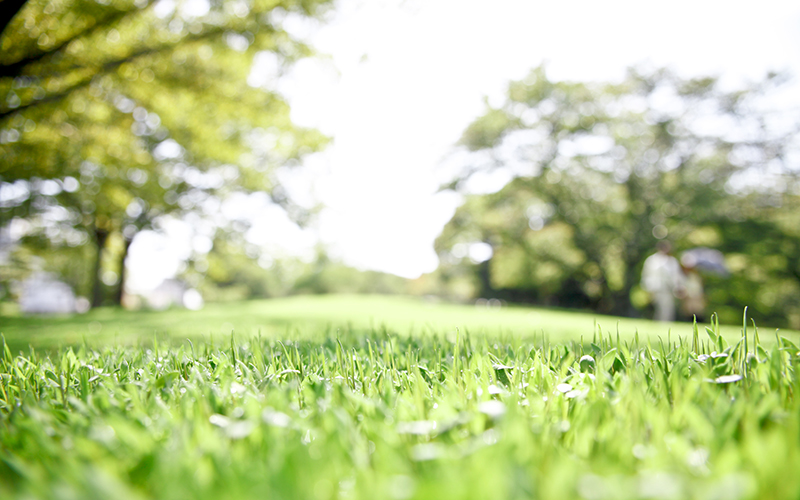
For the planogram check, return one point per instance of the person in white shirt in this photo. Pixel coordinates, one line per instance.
(663, 277)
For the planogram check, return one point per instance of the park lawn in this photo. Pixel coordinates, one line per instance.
(376, 415)
(310, 316)
(354, 397)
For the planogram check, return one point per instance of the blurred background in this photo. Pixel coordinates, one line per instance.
(168, 153)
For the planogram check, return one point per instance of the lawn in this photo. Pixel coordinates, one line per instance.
(310, 316)
(376, 397)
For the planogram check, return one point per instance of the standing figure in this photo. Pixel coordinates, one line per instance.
(663, 278)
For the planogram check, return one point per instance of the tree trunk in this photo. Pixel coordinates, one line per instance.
(123, 275)
(100, 237)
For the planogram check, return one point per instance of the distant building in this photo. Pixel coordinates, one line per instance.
(42, 293)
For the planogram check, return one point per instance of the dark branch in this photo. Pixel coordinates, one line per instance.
(50, 98)
(105, 68)
(9, 9)
(17, 68)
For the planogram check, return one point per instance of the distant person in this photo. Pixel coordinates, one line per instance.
(663, 278)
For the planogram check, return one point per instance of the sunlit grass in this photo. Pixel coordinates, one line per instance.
(312, 316)
(381, 415)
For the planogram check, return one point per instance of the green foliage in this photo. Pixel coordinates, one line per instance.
(327, 276)
(388, 416)
(71, 264)
(486, 130)
(116, 113)
(600, 172)
(232, 271)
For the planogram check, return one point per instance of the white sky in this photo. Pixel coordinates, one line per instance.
(403, 78)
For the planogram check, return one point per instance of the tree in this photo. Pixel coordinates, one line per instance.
(601, 171)
(231, 270)
(118, 112)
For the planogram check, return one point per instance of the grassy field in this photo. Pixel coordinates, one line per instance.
(397, 405)
(312, 316)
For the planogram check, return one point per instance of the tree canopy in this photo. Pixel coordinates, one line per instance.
(599, 172)
(116, 112)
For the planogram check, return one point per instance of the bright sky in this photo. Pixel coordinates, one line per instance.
(403, 78)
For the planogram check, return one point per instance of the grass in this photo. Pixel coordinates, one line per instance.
(308, 316)
(379, 412)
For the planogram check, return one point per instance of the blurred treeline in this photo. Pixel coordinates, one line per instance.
(595, 174)
(228, 273)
